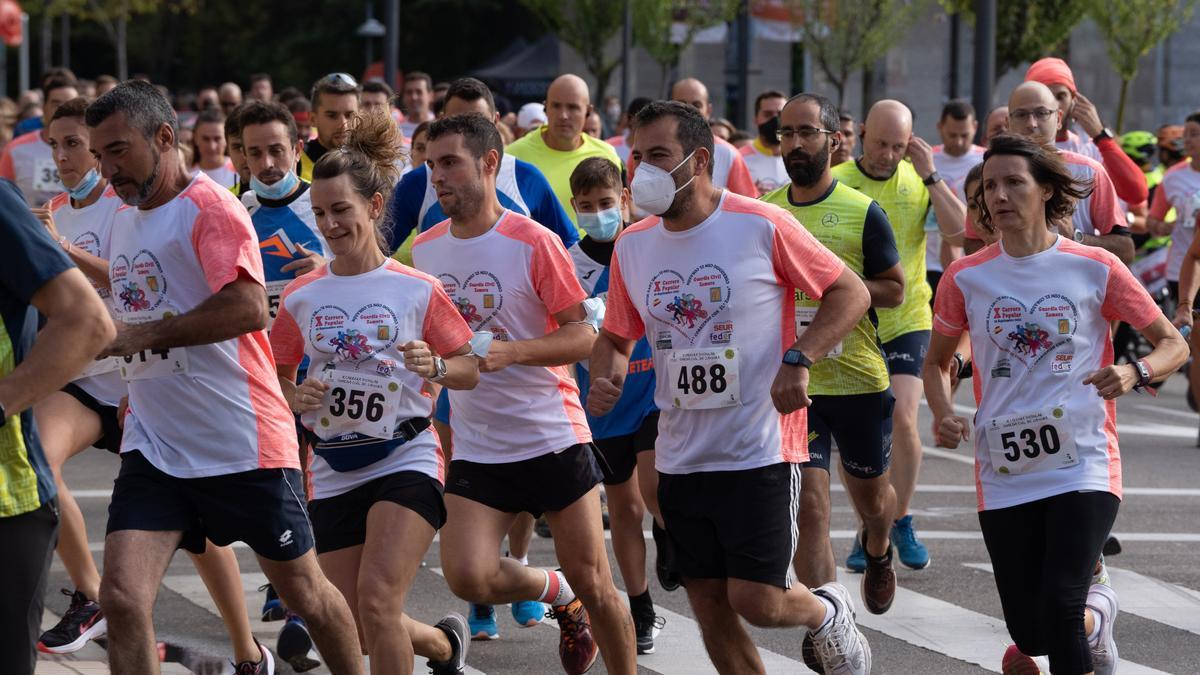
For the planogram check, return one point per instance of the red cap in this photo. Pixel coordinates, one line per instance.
(1051, 70)
(302, 117)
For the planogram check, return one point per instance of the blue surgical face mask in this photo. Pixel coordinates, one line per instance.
(85, 186)
(277, 190)
(601, 225)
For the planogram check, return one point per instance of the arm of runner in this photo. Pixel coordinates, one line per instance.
(238, 308)
(881, 260)
(1189, 280)
(949, 211)
(462, 369)
(608, 365)
(1107, 219)
(304, 397)
(1156, 221)
(940, 365)
(570, 342)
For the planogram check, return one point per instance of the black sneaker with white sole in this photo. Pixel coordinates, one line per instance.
(646, 627)
(455, 628)
(82, 622)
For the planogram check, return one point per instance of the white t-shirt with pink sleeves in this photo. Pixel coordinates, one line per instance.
(1179, 189)
(723, 286)
(1038, 326)
(511, 281)
(88, 229)
(226, 413)
(1100, 212)
(954, 171)
(357, 324)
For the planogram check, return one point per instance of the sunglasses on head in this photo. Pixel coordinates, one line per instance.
(340, 78)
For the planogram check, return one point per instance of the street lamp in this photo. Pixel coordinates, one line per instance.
(370, 29)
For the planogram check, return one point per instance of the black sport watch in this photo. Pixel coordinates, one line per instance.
(1104, 133)
(795, 357)
(933, 178)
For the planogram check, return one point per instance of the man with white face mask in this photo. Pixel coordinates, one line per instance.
(710, 285)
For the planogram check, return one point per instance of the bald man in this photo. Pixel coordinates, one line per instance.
(1034, 112)
(907, 191)
(729, 170)
(559, 145)
(230, 96)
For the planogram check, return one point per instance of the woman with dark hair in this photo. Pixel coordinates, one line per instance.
(1038, 309)
(208, 148)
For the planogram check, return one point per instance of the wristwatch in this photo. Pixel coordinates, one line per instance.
(1104, 133)
(933, 178)
(795, 357)
(439, 367)
(1145, 374)
(1078, 236)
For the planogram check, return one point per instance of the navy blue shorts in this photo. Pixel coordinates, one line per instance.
(262, 507)
(906, 354)
(340, 521)
(620, 452)
(860, 424)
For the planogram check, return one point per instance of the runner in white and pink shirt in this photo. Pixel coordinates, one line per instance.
(1180, 190)
(521, 440)
(710, 281)
(208, 435)
(1038, 309)
(376, 332)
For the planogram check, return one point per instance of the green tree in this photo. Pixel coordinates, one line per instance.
(586, 26)
(654, 24)
(1131, 29)
(847, 35)
(1026, 30)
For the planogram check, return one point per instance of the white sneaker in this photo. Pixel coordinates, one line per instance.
(1103, 601)
(841, 647)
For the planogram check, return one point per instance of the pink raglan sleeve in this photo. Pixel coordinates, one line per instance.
(444, 329)
(1125, 299)
(226, 245)
(620, 316)
(553, 275)
(1159, 206)
(800, 260)
(950, 308)
(287, 342)
(1105, 209)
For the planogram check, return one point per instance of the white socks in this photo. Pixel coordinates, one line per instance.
(557, 592)
(830, 611)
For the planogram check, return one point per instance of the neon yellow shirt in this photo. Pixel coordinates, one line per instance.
(853, 226)
(557, 165)
(905, 199)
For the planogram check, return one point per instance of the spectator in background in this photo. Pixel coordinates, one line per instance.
(261, 87)
(621, 141)
(205, 98)
(417, 97)
(27, 160)
(995, 123)
(529, 117)
(844, 152)
(208, 148)
(301, 111)
(593, 126)
(230, 96)
(762, 155)
(104, 83)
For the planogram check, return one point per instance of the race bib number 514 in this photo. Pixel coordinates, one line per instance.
(1029, 442)
(703, 379)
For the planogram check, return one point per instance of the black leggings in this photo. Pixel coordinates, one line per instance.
(29, 539)
(1043, 554)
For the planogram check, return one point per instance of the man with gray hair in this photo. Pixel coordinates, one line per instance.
(208, 436)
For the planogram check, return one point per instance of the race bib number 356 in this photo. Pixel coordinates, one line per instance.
(358, 403)
(1029, 442)
(703, 379)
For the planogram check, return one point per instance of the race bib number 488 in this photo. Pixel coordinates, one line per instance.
(703, 379)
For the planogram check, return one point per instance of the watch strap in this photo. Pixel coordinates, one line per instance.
(933, 178)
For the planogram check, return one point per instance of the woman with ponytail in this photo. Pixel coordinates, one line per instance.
(376, 332)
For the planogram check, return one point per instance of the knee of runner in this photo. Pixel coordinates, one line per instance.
(378, 606)
(756, 609)
(814, 502)
(468, 583)
(631, 511)
(119, 601)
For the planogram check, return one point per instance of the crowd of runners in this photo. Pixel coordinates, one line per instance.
(333, 324)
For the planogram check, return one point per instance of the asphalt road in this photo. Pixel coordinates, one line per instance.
(946, 619)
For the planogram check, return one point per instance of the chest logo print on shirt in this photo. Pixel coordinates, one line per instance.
(356, 338)
(478, 299)
(140, 285)
(1029, 334)
(688, 305)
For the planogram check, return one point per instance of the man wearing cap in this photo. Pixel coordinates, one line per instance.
(559, 145)
(530, 117)
(1099, 144)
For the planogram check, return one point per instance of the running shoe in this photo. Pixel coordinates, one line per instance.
(1017, 662)
(857, 560)
(576, 647)
(1100, 572)
(912, 552)
(83, 621)
(808, 652)
(541, 527)
(482, 619)
(664, 559)
(273, 609)
(841, 647)
(879, 581)
(455, 628)
(646, 627)
(1112, 546)
(528, 613)
(295, 646)
(264, 666)
(1103, 602)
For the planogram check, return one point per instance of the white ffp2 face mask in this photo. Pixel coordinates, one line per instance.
(654, 189)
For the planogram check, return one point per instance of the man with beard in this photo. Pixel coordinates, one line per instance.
(907, 191)
(851, 399)
(707, 282)
(521, 439)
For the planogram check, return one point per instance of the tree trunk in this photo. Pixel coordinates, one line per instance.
(1121, 105)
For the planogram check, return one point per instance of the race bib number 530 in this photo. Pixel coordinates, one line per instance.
(1029, 442)
(702, 379)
